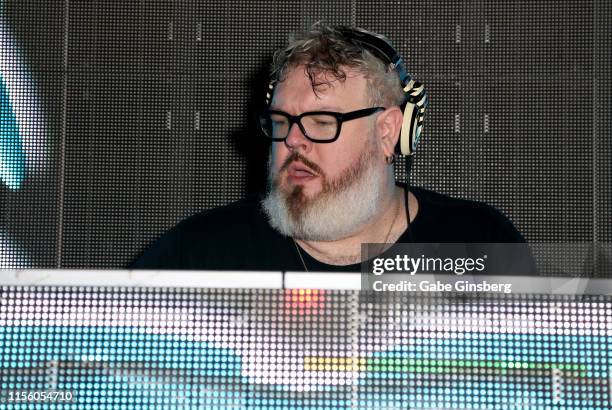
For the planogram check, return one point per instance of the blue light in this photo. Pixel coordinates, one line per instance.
(12, 156)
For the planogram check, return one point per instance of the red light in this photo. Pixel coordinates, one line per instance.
(304, 301)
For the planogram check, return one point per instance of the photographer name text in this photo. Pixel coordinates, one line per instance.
(438, 286)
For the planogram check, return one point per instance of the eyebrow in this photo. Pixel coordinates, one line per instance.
(324, 108)
(327, 108)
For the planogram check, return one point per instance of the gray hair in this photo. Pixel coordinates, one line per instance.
(323, 49)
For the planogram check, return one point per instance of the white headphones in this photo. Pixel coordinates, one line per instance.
(416, 100)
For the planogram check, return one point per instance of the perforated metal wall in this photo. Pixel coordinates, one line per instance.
(145, 109)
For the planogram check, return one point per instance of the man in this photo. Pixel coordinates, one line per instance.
(335, 119)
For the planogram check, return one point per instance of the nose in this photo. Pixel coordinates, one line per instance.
(296, 140)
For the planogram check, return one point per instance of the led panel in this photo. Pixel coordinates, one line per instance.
(176, 348)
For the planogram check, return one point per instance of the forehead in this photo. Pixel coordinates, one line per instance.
(297, 90)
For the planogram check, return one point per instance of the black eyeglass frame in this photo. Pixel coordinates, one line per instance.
(297, 119)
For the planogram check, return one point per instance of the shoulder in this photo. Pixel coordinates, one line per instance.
(209, 239)
(237, 215)
(442, 218)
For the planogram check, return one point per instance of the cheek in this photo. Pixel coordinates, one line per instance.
(340, 160)
(277, 156)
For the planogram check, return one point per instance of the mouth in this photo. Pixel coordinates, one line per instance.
(299, 172)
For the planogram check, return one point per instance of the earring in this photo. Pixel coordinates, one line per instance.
(390, 159)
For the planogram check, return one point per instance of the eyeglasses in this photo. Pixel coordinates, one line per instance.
(317, 126)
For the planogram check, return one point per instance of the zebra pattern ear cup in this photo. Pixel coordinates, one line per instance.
(408, 135)
(414, 113)
(270, 93)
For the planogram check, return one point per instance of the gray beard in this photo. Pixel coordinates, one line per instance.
(343, 206)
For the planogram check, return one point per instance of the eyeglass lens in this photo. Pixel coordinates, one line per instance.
(316, 126)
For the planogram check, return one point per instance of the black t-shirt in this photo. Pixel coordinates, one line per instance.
(239, 237)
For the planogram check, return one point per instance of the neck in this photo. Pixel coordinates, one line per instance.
(387, 227)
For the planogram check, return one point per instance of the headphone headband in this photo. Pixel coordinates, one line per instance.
(380, 46)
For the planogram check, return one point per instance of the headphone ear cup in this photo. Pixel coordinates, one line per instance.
(409, 137)
(270, 93)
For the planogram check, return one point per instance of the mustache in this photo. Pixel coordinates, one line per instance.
(296, 156)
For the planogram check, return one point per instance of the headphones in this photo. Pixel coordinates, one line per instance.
(415, 101)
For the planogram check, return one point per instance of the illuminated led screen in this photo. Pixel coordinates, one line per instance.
(151, 348)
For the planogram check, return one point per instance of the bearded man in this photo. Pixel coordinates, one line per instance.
(335, 116)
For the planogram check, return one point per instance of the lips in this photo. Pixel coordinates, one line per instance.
(300, 172)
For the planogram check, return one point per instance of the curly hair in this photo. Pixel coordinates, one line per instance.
(325, 50)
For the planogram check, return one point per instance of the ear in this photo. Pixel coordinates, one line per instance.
(388, 127)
